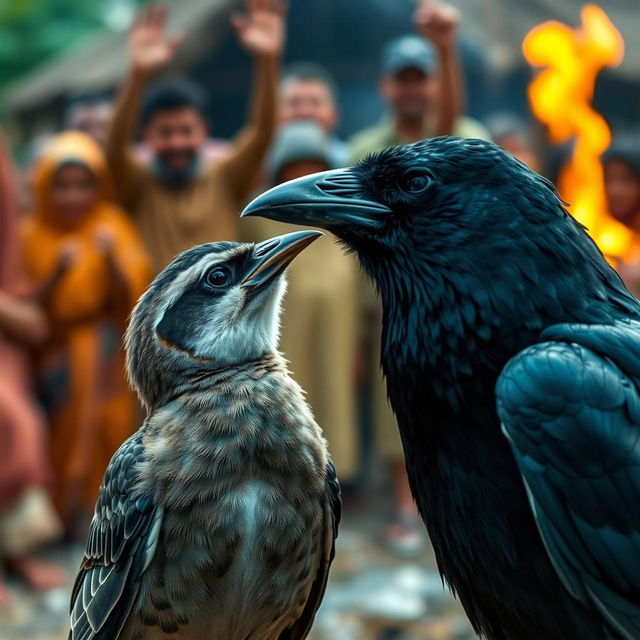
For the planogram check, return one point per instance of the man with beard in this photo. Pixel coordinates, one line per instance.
(181, 199)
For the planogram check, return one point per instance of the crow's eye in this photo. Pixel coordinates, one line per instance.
(218, 277)
(416, 182)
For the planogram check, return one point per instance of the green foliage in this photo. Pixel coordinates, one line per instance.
(33, 31)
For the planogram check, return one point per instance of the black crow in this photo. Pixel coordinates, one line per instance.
(512, 355)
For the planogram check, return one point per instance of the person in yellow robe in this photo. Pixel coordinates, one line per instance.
(89, 265)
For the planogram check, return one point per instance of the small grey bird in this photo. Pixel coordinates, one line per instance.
(217, 519)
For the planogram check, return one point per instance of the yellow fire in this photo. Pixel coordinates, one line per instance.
(560, 97)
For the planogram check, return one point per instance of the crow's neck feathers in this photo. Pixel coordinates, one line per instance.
(452, 328)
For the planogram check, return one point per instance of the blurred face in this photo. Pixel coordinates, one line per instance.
(518, 146)
(622, 187)
(301, 168)
(92, 119)
(308, 100)
(176, 138)
(74, 190)
(410, 93)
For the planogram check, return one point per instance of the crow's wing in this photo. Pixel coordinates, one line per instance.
(570, 408)
(121, 542)
(332, 514)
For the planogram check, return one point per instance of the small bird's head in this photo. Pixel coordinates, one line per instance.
(215, 306)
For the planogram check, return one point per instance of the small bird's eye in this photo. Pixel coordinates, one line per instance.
(218, 277)
(416, 182)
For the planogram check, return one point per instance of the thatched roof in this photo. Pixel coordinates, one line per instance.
(100, 61)
(498, 26)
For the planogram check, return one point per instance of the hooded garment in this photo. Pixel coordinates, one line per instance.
(81, 369)
(24, 471)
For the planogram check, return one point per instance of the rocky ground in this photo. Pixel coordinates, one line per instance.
(373, 594)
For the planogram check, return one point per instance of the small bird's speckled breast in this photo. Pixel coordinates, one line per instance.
(240, 475)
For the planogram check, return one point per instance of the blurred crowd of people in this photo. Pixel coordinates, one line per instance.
(127, 186)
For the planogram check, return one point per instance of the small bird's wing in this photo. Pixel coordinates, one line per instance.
(121, 542)
(570, 408)
(332, 514)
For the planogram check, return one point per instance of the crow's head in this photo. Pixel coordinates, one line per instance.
(446, 203)
(215, 306)
(460, 237)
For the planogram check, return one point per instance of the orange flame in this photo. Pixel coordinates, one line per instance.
(560, 97)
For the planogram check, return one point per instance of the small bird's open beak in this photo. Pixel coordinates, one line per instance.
(271, 257)
(328, 199)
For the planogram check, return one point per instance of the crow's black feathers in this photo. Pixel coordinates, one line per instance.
(471, 271)
(530, 491)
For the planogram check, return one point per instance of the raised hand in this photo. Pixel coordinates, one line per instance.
(438, 23)
(149, 46)
(261, 28)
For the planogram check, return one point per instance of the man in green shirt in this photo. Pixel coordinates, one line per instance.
(421, 84)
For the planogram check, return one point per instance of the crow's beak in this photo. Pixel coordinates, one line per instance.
(329, 199)
(271, 257)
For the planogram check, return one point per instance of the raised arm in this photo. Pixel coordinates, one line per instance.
(149, 49)
(439, 24)
(261, 32)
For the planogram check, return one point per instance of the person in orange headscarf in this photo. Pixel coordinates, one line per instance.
(89, 264)
(26, 516)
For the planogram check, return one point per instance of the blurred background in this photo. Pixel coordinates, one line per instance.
(114, 139)
(54, 50)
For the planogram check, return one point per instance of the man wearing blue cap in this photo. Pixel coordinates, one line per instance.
(421, 84)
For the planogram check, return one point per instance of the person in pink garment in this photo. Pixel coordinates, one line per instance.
(27, 518)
